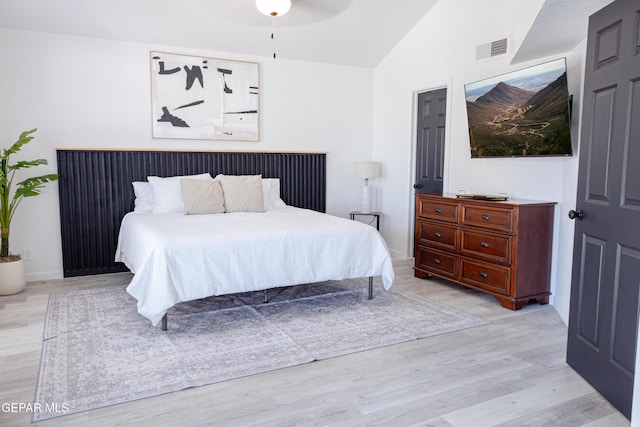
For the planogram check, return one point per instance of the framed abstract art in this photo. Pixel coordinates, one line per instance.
(194, 97)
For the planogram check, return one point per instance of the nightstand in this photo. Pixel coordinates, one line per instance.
(375, 216)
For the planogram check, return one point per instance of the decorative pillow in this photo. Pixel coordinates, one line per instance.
(242, 193)
(201, 197)
(143, 202)
(271, 190)
(167, 196)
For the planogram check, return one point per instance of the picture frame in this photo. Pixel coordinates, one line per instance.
(524, 113)
(196, 97)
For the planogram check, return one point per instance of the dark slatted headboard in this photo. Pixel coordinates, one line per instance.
(96, 192)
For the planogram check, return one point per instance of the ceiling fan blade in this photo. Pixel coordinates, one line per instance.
(319, 9)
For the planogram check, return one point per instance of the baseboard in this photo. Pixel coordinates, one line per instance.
(398, 255)
(43, 276)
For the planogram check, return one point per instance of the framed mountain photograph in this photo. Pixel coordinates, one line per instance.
(522, 113)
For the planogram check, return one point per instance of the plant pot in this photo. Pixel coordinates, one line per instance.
(12, 277)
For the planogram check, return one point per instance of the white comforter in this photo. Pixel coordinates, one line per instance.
(176, 257)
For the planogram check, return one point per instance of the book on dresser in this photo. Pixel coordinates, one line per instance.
(502, 248)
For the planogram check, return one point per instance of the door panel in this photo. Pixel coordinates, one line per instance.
(430, 137)
(608, 44)
(631, 190)
(605, 283)
(592, 268)
(626, 309)
(601, 131)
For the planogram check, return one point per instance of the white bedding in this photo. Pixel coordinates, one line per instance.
(176, 257)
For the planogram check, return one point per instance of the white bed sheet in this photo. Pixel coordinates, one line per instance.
(176, 257)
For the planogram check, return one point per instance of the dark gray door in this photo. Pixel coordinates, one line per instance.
(431, 120)
(606, 264)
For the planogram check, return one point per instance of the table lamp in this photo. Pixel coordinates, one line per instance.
(367, 170)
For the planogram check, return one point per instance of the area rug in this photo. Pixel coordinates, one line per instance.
(98, 351)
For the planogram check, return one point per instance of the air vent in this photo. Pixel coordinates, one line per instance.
(489, 50)
(499, 47)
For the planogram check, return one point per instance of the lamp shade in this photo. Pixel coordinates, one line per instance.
(367, 170)
(273, 7)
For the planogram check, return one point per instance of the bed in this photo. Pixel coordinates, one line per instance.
(177, 258)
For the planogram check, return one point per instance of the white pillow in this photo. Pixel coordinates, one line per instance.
(271, 189)
(242, 193)
(167, 196)
(143, 202)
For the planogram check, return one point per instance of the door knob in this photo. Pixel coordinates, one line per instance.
(579, 214)
(416, 186)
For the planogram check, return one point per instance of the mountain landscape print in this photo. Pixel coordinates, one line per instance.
(524, 113)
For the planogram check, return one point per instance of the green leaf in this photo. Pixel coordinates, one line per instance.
(33, 186)
(23, 139)
(23, 164)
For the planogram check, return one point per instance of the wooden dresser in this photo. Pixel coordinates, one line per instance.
(500, 248)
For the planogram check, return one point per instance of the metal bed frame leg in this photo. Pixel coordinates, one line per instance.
(370, 296)
(164, 322)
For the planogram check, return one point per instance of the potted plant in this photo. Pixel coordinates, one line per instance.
(12, 275)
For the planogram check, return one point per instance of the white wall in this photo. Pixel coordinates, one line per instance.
(90, 93)
(438, 54)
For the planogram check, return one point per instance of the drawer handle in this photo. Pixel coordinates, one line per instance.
(487, 217)
(483, 274)
(437, 234)
(484, 244)
(436, 261)
(438, 210)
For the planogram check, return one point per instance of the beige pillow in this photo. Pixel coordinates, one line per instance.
(242, 193)
(201, 197)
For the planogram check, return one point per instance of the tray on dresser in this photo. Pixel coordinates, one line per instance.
(498, 198)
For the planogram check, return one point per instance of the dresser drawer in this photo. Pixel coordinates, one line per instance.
(437, 262)
(436, 209)
(493, 278)
(489, 246)
(437, 234)
(488, 217)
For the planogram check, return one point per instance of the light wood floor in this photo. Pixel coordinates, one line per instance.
(511, 372)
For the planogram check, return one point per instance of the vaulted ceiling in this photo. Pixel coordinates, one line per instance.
(348, 32)
(559, 27)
